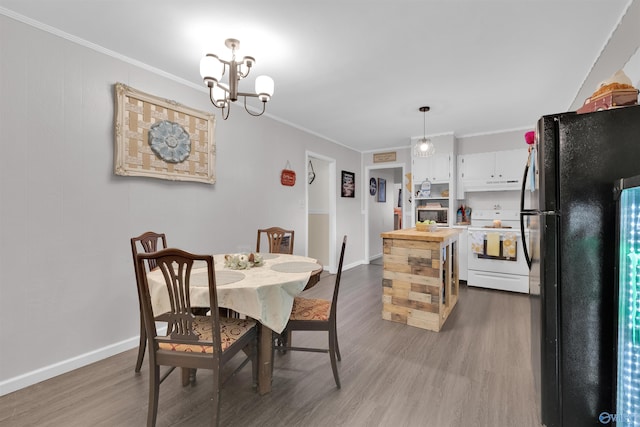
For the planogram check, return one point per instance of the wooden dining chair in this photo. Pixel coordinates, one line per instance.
(147, 242)
(280, 240)
(316, 315)
(191, 341)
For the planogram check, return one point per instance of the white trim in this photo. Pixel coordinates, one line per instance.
(42, 374)
(333, 267)
(21, 381)
(350, 266)
(365, 184)
(496, 132)
(372, 257)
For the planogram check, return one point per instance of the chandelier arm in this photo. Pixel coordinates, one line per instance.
(241, 74)
(211, 98)
(228, 108)
(245, 94)
(264, 107)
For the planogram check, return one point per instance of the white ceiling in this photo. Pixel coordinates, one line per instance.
(356, 71)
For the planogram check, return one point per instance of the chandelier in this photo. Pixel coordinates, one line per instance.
(212, 68)
(424, 147)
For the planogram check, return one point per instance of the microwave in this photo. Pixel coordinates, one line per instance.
(437, 214)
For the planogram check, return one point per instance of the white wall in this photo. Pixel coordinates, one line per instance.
(67, 290)
(319, 226)
(482, 143)
(381, 214)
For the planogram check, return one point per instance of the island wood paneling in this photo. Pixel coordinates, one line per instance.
(420, 277)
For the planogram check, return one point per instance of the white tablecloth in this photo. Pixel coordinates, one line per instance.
(263, 294)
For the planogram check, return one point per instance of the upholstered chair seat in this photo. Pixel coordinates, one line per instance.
(230, 331)
(310, 309)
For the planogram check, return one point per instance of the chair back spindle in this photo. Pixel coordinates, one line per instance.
(280, 240)
(176, 267)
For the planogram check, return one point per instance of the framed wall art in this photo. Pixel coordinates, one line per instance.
(384, 157)
(159, 138)
(382, 190)
(348, 184)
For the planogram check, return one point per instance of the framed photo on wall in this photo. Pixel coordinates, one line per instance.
(382, 190)
(348, 184)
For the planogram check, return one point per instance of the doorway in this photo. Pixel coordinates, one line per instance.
(321, 209)
(387, 215)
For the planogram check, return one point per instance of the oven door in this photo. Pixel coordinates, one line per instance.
(482, 258)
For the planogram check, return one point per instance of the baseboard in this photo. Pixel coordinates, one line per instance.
(30, 378)
(374, 257)
(352, 265)
(47, 372)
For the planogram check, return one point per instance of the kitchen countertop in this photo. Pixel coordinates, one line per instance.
(440, 235)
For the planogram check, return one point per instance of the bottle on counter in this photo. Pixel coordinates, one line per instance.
(460, 214)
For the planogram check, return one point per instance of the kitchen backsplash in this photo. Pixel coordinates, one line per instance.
(492, 200)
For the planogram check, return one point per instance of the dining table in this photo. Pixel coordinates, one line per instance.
(263, 292)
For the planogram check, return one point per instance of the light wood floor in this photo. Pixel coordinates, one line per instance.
(475, 372)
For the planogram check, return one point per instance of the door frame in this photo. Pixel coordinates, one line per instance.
(365, 185)
(332, 194)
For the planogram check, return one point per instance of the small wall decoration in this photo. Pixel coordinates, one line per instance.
(312, 173)
(382, 190)
(288, 175)
(373, 186)
(384, 157)
(348, 184)
(159, 138)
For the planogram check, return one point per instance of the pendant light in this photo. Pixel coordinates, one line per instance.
(424, 147)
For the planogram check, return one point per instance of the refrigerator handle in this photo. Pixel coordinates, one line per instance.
(527, 257)
(524, 184)
(522, 213)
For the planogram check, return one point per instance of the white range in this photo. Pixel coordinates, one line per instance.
(495, 255)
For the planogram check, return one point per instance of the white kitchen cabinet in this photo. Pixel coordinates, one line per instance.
(436, 168)
(494, 170)
(459, 186)
(478, 166)
(511, 163)
(493, 164)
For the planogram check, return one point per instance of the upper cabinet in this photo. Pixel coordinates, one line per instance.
(436, 169)
(492, 171)
(477, 166)
(440, 170)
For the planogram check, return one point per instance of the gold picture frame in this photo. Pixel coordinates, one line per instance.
(135, 114)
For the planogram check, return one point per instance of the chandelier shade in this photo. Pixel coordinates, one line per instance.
(264, 88)
(212, 70)
(424, 146)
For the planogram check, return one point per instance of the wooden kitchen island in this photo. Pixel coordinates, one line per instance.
(420, 279)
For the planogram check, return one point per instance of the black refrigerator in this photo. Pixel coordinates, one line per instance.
(571, 216)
